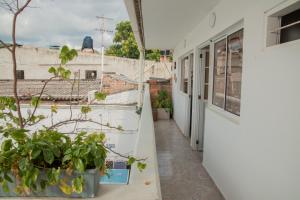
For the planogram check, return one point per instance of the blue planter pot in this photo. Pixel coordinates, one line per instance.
(90, 188)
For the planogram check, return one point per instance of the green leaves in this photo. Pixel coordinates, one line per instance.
(163, 100)
(35, 101)
(6, 145)
(60, 72)
(99, 161)
(23, 163)
(19, 134)
(43, 184)
(67, 54)
(77, 184)
(85, 109)
(125, 44)
(5, 186)
(141, 166)
(100, 96)
(8, 103)
(54, 108)
(52, 70)
(79, 166)
(53, 176)
(65, 188)
(48, 156)
(131, 160)
(35, 153)
(7, 178)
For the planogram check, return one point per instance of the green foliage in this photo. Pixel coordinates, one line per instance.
(23, 155)
(54, 108)
(67, 54)
(35, 101)
(163, 100)
(152, 55)
(38, 159)
(141, 166)
(8, 103)
(85, 109)
(60, 72)
(125, 44)
(100, 96)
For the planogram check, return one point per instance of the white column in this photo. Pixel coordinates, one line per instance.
(141, 77)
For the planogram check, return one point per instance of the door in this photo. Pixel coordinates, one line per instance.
(190, 92)
(203, 91)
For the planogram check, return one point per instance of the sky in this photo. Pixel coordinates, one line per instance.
(63, 22)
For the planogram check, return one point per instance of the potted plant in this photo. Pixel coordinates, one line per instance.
(154, 112)
(164, 106)
(44, 161)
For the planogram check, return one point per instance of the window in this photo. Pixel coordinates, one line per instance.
(290, 27)
(206, 78)
(184, 74)
(283, 24)
(90, 74)
(219, 73)
(228, 72)
(20, 74)
(205, 63)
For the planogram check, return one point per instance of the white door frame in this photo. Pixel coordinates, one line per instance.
(198, 115)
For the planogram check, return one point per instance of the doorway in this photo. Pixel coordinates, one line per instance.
(204, 63)
(190, 92)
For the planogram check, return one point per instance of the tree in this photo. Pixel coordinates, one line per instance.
(16, 9)
(125, 45)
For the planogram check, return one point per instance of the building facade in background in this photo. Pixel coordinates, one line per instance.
(33, 63)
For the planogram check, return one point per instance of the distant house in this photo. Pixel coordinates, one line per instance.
(33, 63)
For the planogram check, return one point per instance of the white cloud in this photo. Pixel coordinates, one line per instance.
(59, 22)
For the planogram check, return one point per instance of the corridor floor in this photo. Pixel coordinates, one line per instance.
(182, 175)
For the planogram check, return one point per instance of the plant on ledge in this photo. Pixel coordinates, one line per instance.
(163, 100)
(33, 161)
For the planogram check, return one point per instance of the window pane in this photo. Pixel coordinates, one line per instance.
(206, 74)
(293, 32)
(184, 75)
(234, 72)
(219, 73)
(90, 74)
(206, 92)
(20, 74)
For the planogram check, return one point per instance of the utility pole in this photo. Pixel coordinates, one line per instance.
(103, 30)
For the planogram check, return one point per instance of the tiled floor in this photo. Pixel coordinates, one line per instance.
(182, 175)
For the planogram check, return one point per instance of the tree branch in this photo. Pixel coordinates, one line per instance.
(14, 59)
(71, 121)
(39, 98)
(123, 156)
(6, 46)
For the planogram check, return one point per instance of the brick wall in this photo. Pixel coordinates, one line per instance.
(157, 85)
(114, 83)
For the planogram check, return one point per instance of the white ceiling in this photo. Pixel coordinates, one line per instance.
(166, 22)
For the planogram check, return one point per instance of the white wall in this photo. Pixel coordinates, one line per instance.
(146, 148)
(125, 116)
(36, 61)
(255, 156)
(121, 98)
